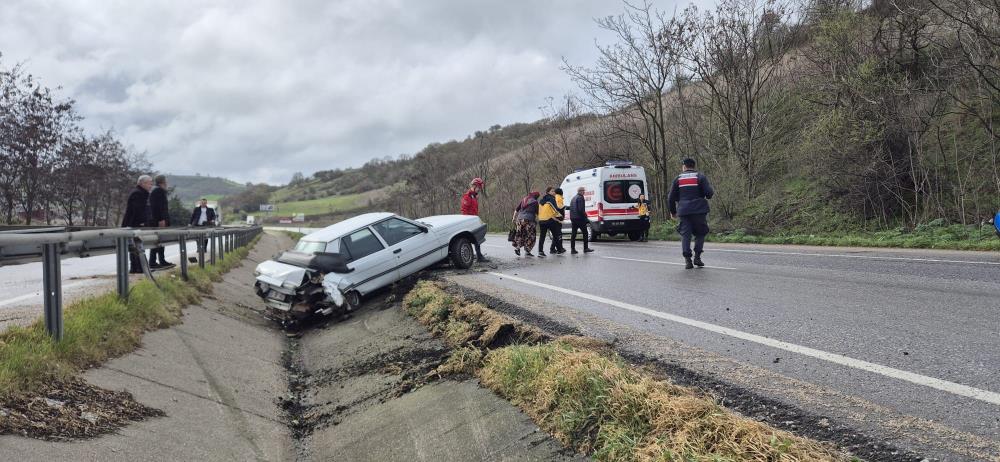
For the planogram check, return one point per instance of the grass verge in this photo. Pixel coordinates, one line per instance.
(102, 327)
(591, 400)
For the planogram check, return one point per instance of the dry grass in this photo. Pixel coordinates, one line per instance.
(587, 397)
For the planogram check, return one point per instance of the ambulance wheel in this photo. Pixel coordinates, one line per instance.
(634, 235)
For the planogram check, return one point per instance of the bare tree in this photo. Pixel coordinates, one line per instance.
(739, 55)
(631, 78)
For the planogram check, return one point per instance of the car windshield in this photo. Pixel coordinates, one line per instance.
(310, 246)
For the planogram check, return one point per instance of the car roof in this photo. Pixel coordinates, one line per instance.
(339, 229)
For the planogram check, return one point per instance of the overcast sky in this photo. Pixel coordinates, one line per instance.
(256, 90)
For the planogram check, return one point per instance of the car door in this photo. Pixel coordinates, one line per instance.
(415, 246)
(374, 265)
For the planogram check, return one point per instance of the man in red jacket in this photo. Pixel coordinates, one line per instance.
(470, 206)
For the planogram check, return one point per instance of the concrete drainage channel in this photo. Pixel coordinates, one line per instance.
(366, 389)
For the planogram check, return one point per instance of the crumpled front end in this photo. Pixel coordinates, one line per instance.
(293, 293)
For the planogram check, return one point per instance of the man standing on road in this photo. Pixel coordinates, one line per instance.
(159, 206)
(688, 200)
(203, 215)
(470, 206)
(138, 215)
(579, 221)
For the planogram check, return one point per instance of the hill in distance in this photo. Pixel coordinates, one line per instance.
(190, 188)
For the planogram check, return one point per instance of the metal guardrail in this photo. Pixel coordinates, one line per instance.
(49, 245)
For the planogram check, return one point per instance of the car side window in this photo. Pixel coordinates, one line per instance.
(360, 244)
(394, 230)
(333, 246)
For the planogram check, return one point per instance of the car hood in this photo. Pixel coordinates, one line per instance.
(278, 274)
(448, 221)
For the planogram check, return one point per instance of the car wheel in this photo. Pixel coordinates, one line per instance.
(634, 235)
(461, 253)
(353, 299)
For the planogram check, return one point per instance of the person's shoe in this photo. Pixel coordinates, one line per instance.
(687, 263)
(574, 252)
(698, 262)
(154, 265)
(518, 252)
(562, 251)
(527, 253)
(541, 254)
(588, 250)
(135, 271)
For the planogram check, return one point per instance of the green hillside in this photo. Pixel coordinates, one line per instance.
(190, 188)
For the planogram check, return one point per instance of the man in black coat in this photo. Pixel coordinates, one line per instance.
(160, 208)
(138, 215)
(579, 221)
(688, 200)
(203, 215)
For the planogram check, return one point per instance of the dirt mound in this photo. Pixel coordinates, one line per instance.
(70, 409)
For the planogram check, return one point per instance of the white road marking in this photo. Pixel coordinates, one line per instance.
(834, 255)
(663, 262)
(938, 384)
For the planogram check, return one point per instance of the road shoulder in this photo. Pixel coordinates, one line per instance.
(861, 427)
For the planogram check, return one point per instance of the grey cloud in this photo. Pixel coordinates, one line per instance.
(256, 90)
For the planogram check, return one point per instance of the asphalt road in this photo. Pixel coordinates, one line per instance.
(21, 285)
(914, 331)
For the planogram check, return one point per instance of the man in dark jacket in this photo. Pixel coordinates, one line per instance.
(203, 215)
(158, 205)
(579, 221)
(138, 215)
(688, 200)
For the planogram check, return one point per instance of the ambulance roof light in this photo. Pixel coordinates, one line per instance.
(618, 163)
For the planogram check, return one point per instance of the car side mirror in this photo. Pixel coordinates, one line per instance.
(424, 229)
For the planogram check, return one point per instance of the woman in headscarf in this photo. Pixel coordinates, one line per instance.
(525, 222)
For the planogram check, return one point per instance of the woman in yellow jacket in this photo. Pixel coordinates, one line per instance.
(550, 221)
(643, 207)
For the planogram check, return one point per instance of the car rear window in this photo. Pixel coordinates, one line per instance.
(310, 246)
(394, 230)
(360, 244)
(623, 191)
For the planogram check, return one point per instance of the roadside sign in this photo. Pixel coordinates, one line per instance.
(266, 207)
(299, 217)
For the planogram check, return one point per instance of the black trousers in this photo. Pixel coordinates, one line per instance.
(582, 227)
(555, 228)
(157, 252)
(693, 225)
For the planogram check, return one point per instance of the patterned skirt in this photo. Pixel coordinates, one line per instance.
(525, 234)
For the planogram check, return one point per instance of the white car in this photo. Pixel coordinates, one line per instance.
(330, 270)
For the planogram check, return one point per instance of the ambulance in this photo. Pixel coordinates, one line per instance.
(611, 194)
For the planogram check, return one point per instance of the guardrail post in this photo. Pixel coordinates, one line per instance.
(182, 241)
(122, 260)
(222, 247)
(52, 285)
(211, 237)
